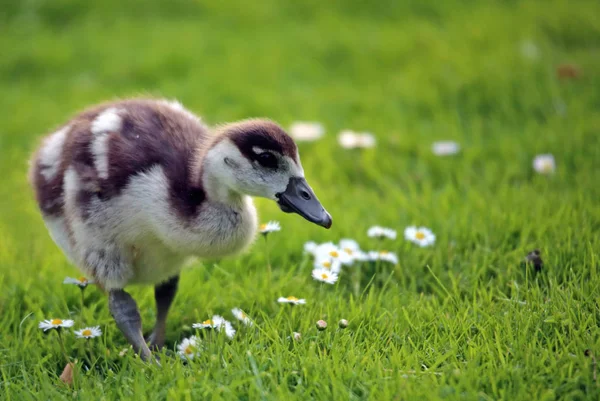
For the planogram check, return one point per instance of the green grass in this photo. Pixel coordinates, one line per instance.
(444, 323)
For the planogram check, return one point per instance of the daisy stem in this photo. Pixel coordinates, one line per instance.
(268, 256)
(357, 280)
(62, 346)
(82, 301)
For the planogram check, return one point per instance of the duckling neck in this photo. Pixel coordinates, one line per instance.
(216, 182)
(218, 193)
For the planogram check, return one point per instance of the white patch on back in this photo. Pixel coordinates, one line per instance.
(100, 152)
(177, 107)
(51, 152)
(108, 121)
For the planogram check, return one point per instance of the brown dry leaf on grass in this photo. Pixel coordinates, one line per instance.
(67, 374)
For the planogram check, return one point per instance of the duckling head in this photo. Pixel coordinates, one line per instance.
(258, 158)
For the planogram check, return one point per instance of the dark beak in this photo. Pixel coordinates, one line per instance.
(300, 198)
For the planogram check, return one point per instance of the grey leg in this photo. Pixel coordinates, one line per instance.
(163, 294)
(125, 312)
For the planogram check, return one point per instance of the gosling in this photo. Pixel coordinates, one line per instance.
(131, 189)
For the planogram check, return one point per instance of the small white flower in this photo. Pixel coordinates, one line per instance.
(221, 324)
(383, 256)
(352, 249)
(351, 140)
(269, 227)
(82, 282)
(529, 50)
(544, 164)
(366, 140)
(331, 265)
(89, 332)
(189, 347)
(325, 275)
(306, 131)
(331, 251)
(241, 316)
(381, 232)
(217, 322)
(291, 300)
(207, 324)
(421, 236)
(310, 247)
(445, 148)
(347, 139)
(55, 324)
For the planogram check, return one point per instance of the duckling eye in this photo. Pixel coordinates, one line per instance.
(267, 159)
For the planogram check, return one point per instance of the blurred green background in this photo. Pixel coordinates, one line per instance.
(483, 73)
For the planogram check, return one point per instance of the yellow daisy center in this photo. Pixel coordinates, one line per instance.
(86, 332)
(82, 279)
(56, 321)
(419, 235)
(188, 350)
(207, 321)
(327, 264)
(546, 165)
(263, 227)
(383, 252)
(334, 254)
(324, 276)
(290, 298)
(348, 251)
(244, 315)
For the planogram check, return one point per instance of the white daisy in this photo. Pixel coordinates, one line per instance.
(352, 249)
(350, 140)
(332, 252)
(207, 324)
(291, 300)
(89, 332)
(421, 236)
(381, 232)
(269, 227)
(221, 324)
(82, 282)
(325, 275)
(366, 140)
(306, 131)
(347, 139)
(217, 322)
(445, 148)
(241, 316)
(544, 164)
(189, 347)
(331, 265)
(310, 247)
(383, 256)
(55, 324)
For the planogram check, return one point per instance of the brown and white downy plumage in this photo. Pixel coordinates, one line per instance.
(130, 189)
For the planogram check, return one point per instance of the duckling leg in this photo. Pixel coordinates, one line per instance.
(127, 316)
(164, 294)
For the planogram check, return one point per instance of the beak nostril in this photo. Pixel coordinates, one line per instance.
(305, 195)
